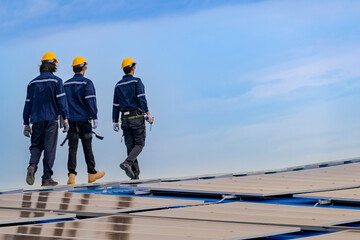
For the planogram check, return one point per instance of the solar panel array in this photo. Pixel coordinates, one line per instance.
(144, 228)
(283, 183)
(275, 214)
(56, 213)
(86, 204)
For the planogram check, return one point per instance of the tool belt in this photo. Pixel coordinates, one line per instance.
(132, 114)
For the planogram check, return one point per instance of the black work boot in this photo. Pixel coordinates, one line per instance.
(127, 168)
(49, 182)
(30, 177)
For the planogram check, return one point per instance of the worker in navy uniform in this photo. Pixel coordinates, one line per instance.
(45, 100)
(129, 99)
(81, 96)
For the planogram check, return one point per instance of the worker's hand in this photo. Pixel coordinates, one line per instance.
(66, 126)
(116, 126)
(27, 131)
(149, 118)
(95, 121)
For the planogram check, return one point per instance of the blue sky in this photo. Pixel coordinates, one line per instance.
(233, 85)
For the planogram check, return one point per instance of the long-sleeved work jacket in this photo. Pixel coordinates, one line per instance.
(81, 96)
(45, 99)
(129, 95)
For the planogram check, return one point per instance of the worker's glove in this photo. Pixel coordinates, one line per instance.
(149, 118)
(66, 127)
(27, 131)
(116, 126)
(95, 121)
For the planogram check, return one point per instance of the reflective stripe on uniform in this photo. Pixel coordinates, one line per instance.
(90, 96)
(116, 105)
(67, 83)
(60, 95)
(123, 83)
(141, 95)
(43, 80)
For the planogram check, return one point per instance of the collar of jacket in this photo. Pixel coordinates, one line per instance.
(78, 75)
(127, 76)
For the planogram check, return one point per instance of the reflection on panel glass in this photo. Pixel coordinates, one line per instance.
(78, 202)
(144, 228)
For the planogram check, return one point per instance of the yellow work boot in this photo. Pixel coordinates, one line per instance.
(71, 179)
(95, 176)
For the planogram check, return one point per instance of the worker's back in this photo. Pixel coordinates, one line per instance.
(130, 94)
(80, 93)
(42, 94)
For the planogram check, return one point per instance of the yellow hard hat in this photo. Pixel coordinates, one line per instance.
(79, 61)
(127, 62)
(49, 56)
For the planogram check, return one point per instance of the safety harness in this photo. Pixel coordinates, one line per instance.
(67, 138)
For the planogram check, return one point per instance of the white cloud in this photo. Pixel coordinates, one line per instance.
(322, 132)
(309, 72)
(28, 10)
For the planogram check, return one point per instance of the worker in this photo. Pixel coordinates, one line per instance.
(129, 99)
(81, 96)
(45, 100)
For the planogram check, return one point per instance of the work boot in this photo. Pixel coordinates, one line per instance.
(92, 177)
(71, 179)
(127, 168)
(49, 182)
(30, 177)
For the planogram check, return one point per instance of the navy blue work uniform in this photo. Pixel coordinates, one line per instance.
(45, 100)
(81, 96)
(130, 100)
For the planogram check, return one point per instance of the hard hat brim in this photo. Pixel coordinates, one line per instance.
(48, 60)
(80, 64)
(129, 65)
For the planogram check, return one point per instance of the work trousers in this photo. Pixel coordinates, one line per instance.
(44, 138)
(83, 130)
(134, 134)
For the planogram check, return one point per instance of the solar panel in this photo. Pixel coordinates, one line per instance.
(343, 235)
(283, 183)
(247, 212)
(8, 216)
(144, 228)
(86, 204)
(347, 195)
